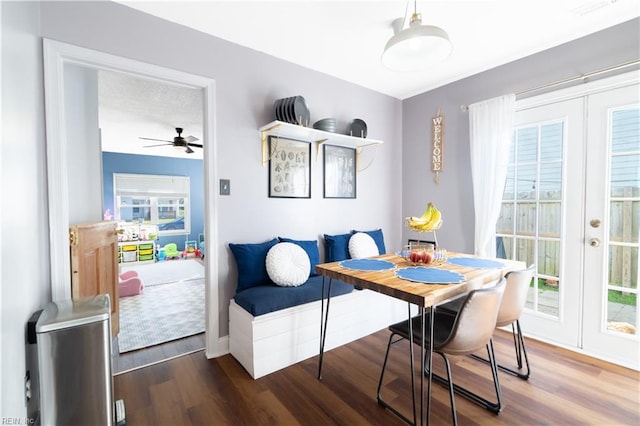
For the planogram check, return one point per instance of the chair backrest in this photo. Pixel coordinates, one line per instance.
(515, 296)
(475, 321)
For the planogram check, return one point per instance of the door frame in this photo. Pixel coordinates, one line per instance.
(56, 55)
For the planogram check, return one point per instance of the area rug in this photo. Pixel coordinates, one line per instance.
(168, 271)
(162, 313)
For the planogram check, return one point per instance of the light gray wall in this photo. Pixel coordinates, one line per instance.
(247, 83)
(24, 243)
(454, 194)
(85, 167)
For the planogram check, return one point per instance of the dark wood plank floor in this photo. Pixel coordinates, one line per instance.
(565, 388)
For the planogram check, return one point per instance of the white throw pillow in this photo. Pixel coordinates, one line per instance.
(288, 265)
(361, 245)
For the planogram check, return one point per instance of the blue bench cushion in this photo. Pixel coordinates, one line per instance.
(262, 299)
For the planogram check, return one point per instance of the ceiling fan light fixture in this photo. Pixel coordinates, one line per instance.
(416, 47)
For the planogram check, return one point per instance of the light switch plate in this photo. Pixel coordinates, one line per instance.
(225, 187)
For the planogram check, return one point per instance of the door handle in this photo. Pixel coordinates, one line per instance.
(595, 223)
(594, 242)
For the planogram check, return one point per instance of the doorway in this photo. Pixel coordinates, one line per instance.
(571, 207)
(56, 56)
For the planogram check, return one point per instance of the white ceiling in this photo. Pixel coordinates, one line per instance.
(345, 38)
(131, 107)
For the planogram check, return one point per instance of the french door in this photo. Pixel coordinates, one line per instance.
(571, 206)
(612, 213)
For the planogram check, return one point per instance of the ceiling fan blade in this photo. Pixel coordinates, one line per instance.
(160, 144)
(191, 139)
(152, 139)
(197, 145)
(188, 150)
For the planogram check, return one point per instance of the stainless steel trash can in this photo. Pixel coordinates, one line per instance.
(74, 360)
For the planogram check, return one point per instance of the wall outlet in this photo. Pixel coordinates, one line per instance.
(225, 187)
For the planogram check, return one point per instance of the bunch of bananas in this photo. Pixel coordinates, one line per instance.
(431, 219)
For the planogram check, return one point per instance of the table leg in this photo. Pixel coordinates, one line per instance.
(324, 318)
(432, 318)
(421, 313)
(413, 385)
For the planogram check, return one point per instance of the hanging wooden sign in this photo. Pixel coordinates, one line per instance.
(437, 132)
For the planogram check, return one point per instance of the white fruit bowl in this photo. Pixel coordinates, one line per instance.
(418, 254)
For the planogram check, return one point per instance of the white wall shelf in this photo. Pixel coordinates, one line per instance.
(309, 134)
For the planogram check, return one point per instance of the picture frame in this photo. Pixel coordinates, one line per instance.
(339, 172)
(289, 168)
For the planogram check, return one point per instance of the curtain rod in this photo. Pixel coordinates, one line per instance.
(582, 77)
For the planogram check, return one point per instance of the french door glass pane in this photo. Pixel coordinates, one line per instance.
(510, 184)
(623, 266)
(625, 130)
(549, 220)
(527, 144)
(526, 182)
(526, 219)
(551, 136)
(621, 312)
(505, 221)
(551, 181)
(525, 250)
(549, 258)
(624, 221)
(625, 175)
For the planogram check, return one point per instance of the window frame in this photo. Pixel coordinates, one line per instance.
(154, 189)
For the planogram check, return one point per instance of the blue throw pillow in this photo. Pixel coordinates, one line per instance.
(250, 258)
(311, 247)
(378, 237)
(336, 247)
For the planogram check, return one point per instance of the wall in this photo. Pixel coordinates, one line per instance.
(454, 194)
(83, 134)
(113, 162)
(248, 82)
(24, 246)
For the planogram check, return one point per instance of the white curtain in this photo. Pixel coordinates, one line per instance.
(490, 124)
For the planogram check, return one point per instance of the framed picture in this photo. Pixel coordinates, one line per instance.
(289, 168)
(339, 172)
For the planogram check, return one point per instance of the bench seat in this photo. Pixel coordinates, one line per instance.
(275, 340)
(263, 299)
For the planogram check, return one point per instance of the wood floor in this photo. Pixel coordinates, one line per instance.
(565, 388)
(135, 359)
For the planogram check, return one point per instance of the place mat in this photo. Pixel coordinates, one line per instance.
(367, 264)
(423, 274)
(474, 262)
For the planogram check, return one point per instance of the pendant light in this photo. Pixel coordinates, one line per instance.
(416, 47)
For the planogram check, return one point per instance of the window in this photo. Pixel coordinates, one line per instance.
(153, 200)
(529, 226)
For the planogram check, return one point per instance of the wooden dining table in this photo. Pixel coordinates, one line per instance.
(425, 296)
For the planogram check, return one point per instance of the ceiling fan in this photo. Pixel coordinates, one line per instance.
(177, 142)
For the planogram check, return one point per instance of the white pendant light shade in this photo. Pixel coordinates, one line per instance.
(416, 47)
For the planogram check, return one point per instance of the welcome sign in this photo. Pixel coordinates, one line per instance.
(437, 131)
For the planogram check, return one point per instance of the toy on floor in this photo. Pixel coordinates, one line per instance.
(190, 248)
(130, 284)
(171, 251)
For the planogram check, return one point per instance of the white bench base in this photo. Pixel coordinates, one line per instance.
(276, 340)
